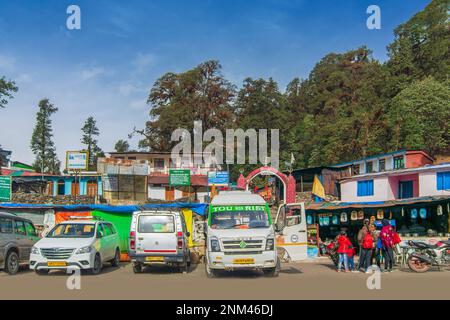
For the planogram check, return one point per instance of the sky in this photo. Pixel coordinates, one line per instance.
(107, 68)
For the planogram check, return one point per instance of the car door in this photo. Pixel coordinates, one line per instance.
(156, 234)
(20, 236)
(6, 237)
(109, 240)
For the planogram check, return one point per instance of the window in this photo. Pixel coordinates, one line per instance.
(365, 188)
(382, 165)
(369, 167)
(107, 228)
(355, 169)
(100, 230)
(61, 188)
(19, 228)
(159, 163)
(31, 231)
(399, 162)
(131, 158)
(443, 180)
(156, 224)
(6, 225)
(72, 230)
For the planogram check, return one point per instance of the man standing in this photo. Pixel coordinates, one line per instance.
(362, 252)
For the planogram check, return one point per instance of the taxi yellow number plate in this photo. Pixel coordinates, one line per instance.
(154, 259)
(244, 261)
(56, 264)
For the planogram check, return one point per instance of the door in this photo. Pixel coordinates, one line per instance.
(170, 194)
(92, 188)
(156, 234)
(6, 237)
(20, 236)
(109, 240)
(75, 188)
(405, 189)
(291, 231)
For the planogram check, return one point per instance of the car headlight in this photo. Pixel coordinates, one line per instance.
(215, 246)
(270, 244)
(35, 250)
(84, 250)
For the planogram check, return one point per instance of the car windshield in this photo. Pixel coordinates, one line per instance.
(72, 230)
(156, 224)
(239, 217)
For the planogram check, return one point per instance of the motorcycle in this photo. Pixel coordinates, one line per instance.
(426, 255)
(331, 251)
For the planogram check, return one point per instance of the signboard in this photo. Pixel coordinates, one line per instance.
(5, 188)
(179, 177)
(77, 160)
(218, 178)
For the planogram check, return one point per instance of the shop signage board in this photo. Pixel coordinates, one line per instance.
(218, 178)
(179, 177)
(5, 188)
(77, 160)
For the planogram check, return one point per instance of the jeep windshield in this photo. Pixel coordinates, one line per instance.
(239, 217)
(72, 230)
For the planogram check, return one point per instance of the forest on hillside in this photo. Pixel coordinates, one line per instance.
(349, 106)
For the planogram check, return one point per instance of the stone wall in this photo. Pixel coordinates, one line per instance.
(36, 198)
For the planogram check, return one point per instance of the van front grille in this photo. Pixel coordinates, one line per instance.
(240, 245)
(57, 253)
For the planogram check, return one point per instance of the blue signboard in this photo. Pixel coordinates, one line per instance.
(218, 178)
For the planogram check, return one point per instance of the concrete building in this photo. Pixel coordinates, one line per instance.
(428, 180)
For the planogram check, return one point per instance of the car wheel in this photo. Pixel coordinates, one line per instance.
(272, 272)
(42, 271)
(12, 263)
(184, 266)
(137, 268)
(97, 265)
(115, 262)
(210, 273)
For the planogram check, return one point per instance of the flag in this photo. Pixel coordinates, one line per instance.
(317, 188)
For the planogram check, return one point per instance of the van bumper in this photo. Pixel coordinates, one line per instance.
(220, 260)
(165, 258)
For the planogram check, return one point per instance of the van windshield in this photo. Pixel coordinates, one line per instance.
(156, 224)
(75, 230)
(239, 217)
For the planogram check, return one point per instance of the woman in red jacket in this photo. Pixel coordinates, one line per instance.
(343, 246)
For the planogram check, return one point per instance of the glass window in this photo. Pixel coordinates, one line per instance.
(107, 228)
(100, 230)
(19, 228)
(72, 230)
(159, 163)
(355, 169)
(240, 217)
(31, 230)
(6, 225)
(382, 165)
(369, 167)
(399, 162)
(365, 188)
(156, 224)
(443, 180)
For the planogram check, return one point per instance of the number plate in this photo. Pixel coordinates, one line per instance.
(56, 264)
(154, 259)
(244, 261)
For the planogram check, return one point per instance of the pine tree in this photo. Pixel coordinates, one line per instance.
(90, 131)
(42, 144)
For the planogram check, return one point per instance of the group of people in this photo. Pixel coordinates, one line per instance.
(373, 244)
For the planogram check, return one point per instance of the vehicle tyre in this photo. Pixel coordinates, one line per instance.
(12, 263)
(42, 271)
(97, 265)
(184, 266)
(137, 268)
(272, 272)
(116, 261)
(210, 273)
(417, 266)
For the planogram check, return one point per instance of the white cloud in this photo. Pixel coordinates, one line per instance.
(7, 62)
(90, 73)
(143, 61)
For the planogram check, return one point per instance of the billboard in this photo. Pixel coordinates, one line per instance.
(179, 177)
(5, 188)
(77, 160)
(218, 178)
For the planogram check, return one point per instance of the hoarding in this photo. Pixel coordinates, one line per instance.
(218, 178)
(179, 177)
(77, 160)
(5, 189)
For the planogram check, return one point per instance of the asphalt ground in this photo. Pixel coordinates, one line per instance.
(308, 280)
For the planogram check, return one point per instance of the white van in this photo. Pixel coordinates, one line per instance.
(159, 237)
(240, 234)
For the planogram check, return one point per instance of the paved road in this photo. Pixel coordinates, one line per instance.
(316, 280)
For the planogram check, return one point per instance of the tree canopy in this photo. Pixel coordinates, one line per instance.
(7, 88)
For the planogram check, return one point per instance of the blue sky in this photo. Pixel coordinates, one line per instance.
(107, 68)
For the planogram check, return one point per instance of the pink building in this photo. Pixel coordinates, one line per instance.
(413, 182)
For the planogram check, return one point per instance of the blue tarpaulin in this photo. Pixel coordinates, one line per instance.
(198, 208)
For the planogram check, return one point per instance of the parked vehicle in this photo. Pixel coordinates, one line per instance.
(17, 237)
(427, 255)
(85, 244)
(240, 234)
(159, 237)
